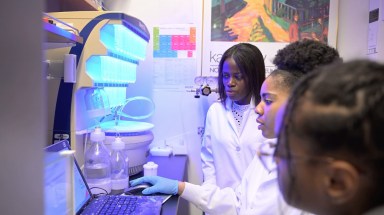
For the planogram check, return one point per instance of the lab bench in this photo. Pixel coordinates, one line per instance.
(173, 167)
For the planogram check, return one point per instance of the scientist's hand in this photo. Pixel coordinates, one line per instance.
(160, 185)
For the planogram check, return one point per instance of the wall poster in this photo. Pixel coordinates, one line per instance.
(174, 56)
(268, 24)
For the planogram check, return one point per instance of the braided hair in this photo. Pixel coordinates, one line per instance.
(250, 62)
(339, 111)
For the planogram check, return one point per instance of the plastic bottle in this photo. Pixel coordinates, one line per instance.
(150, 168)
(119, 167)
(97, 164)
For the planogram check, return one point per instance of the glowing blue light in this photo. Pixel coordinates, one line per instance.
(121, 41)
(116, 95)
(109, 70)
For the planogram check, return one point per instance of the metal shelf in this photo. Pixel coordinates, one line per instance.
(57, 37)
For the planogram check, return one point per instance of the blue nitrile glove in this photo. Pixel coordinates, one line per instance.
(160, 185)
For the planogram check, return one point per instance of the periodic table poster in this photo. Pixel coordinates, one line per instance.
(174, 56)
(174, 41)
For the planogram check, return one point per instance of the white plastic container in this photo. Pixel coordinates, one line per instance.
(150, 168)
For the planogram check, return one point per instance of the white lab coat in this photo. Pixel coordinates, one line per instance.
(226, 152)
(258, 194)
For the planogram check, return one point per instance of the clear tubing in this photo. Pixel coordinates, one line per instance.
(121, 113)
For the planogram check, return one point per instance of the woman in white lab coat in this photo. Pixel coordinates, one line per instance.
(258, 191)
(230, 139)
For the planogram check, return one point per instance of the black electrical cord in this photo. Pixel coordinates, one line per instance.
(99, 194)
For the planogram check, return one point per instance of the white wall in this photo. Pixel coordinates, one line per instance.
(352, 41)
(23, 128)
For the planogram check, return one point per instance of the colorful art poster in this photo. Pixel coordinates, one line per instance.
(174, 41)
(268, 24)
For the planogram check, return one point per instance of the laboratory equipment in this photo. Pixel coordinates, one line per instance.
(206, 85)
(136, 135)
(96, 103)
(119, 167)
(114, 44)
(97, 165)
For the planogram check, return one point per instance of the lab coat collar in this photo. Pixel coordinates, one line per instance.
(228, 107)
(228, 103)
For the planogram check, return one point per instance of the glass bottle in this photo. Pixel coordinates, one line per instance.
(96, 102)
(97, 165)
(119, 167)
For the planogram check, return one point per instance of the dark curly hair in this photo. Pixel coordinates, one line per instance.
(250, 62)
(339, 111)
(299, 58)
(305, 55)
